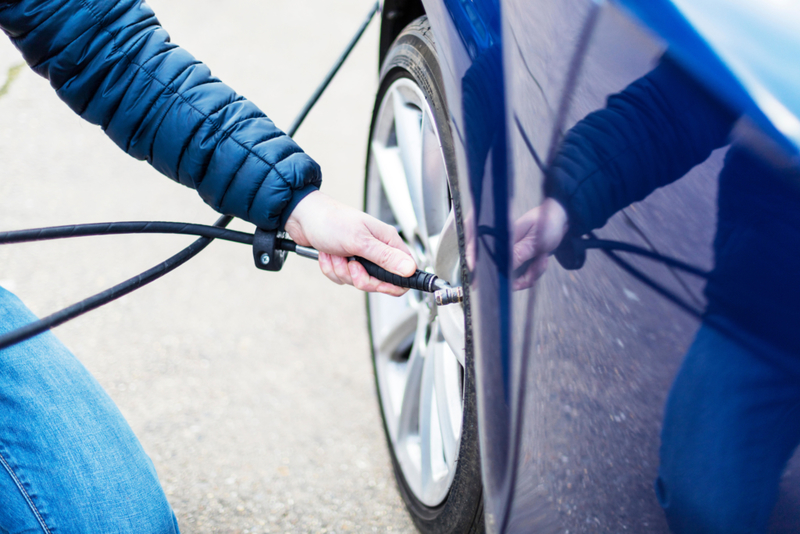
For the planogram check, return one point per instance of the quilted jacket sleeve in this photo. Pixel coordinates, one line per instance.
(646, 137)
(114, 65)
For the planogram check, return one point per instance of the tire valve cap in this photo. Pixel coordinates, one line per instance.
(449, 295)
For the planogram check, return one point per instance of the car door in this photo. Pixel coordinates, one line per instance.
(533, 62)
(595, 350)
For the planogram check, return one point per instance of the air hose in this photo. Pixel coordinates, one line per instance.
(118, 228)
(271, 247)
(209, 233)
(95, 301)
(266, 258)
(571, 254)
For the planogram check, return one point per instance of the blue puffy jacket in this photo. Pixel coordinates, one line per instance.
(114, 65)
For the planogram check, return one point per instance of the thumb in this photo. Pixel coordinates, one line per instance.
(388, 257)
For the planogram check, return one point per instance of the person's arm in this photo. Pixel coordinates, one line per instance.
(339, 232)
(114, 65)
(647, 136)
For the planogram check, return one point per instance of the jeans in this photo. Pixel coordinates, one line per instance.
(731, 424)
(69, 462)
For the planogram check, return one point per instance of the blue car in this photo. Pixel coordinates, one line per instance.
(616, 187)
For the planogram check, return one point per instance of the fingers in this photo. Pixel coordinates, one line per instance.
(387, 250)
(341, 271)
(387, 234)
(537, 233)
(384, 248)
(331, 266)
(363, 281)
(525, 238)
(326, 266)
(524, 249)
(526, 224)
(339, 232)
(534, 272)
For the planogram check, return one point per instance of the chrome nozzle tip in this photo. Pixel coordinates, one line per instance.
(448, 295)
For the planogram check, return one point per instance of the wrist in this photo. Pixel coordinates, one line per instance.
(557, 215)
(290, 213)
(298, 218)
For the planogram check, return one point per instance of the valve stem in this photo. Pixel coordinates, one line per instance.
(448, 295)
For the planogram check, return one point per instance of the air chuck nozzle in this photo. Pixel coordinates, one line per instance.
(449, 295)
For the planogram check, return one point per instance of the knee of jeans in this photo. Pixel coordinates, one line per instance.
(129, 515)
(694, 508)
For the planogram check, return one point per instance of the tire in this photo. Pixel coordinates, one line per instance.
(422, 354)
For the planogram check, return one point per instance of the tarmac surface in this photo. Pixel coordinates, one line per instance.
(251, 391)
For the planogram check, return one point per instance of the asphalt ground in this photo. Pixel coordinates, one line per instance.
(252, 392)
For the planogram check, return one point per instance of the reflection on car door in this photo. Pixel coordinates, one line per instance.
(597, 349)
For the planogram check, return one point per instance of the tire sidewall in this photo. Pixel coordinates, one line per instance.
(413, 56)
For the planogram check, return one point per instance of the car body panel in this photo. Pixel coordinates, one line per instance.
(468, 41)
(588, 438)
(738, 48)
(597, 349)
(572, 375)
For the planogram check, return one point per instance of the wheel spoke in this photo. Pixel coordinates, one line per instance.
(429, 432)
(447, 384)
(447, 261)
(397, 328)
(433, 187)
(408, 422)
(451, 322)
(446, 258)
(393, 180)
(408, 122)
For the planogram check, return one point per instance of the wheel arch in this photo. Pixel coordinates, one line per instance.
(396, 15)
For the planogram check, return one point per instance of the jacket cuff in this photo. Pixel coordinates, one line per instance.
(559, 188)
(297, 196)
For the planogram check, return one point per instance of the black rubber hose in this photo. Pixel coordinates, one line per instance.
(606, 244)
(420, 280)
(91, 303)
(119, 290)
(577, 257)
(324, 85)
(130, 227)
(609, 248)
(580, 246)
(652, 284)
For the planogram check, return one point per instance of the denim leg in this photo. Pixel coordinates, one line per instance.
(732, 421)
(69, 462)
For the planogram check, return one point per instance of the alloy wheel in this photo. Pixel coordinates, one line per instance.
(418, 347)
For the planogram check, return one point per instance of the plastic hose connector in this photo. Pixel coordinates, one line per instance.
(571, 253)
(420, 280)
(266, 253)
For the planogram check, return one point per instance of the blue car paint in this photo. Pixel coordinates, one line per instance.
(740, 61)
(477, 85)
(741, 56)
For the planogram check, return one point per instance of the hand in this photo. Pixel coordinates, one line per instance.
(338, 231)
(536, 235)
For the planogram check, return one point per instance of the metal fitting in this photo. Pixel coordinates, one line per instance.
(449, 295)
(265, 259)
